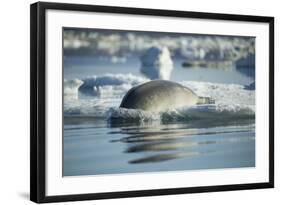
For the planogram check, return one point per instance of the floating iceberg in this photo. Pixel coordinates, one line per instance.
(156, 63)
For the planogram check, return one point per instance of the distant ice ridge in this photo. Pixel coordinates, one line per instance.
(119, 45)
(107, 91)
(105, 85)
(95, 107)
(71, 87)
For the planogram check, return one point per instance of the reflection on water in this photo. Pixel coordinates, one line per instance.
(173, 137)
(163, 157)
(94, 147)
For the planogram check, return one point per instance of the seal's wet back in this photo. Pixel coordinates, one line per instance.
(160, 95)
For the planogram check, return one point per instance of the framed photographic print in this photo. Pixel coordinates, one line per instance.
(129, 102)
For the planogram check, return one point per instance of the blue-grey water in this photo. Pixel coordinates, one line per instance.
(80, 67)
(94, 145)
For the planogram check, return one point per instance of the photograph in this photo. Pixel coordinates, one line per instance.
(147, 101)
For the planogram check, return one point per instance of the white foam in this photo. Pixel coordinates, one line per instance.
(133, 115)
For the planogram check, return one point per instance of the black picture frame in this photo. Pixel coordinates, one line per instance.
(38, 101)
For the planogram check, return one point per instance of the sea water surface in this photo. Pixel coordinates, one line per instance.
(101, 138)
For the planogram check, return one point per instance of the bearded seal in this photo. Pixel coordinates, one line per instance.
(161, 95)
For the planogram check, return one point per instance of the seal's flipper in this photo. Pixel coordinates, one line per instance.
(205, 100)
